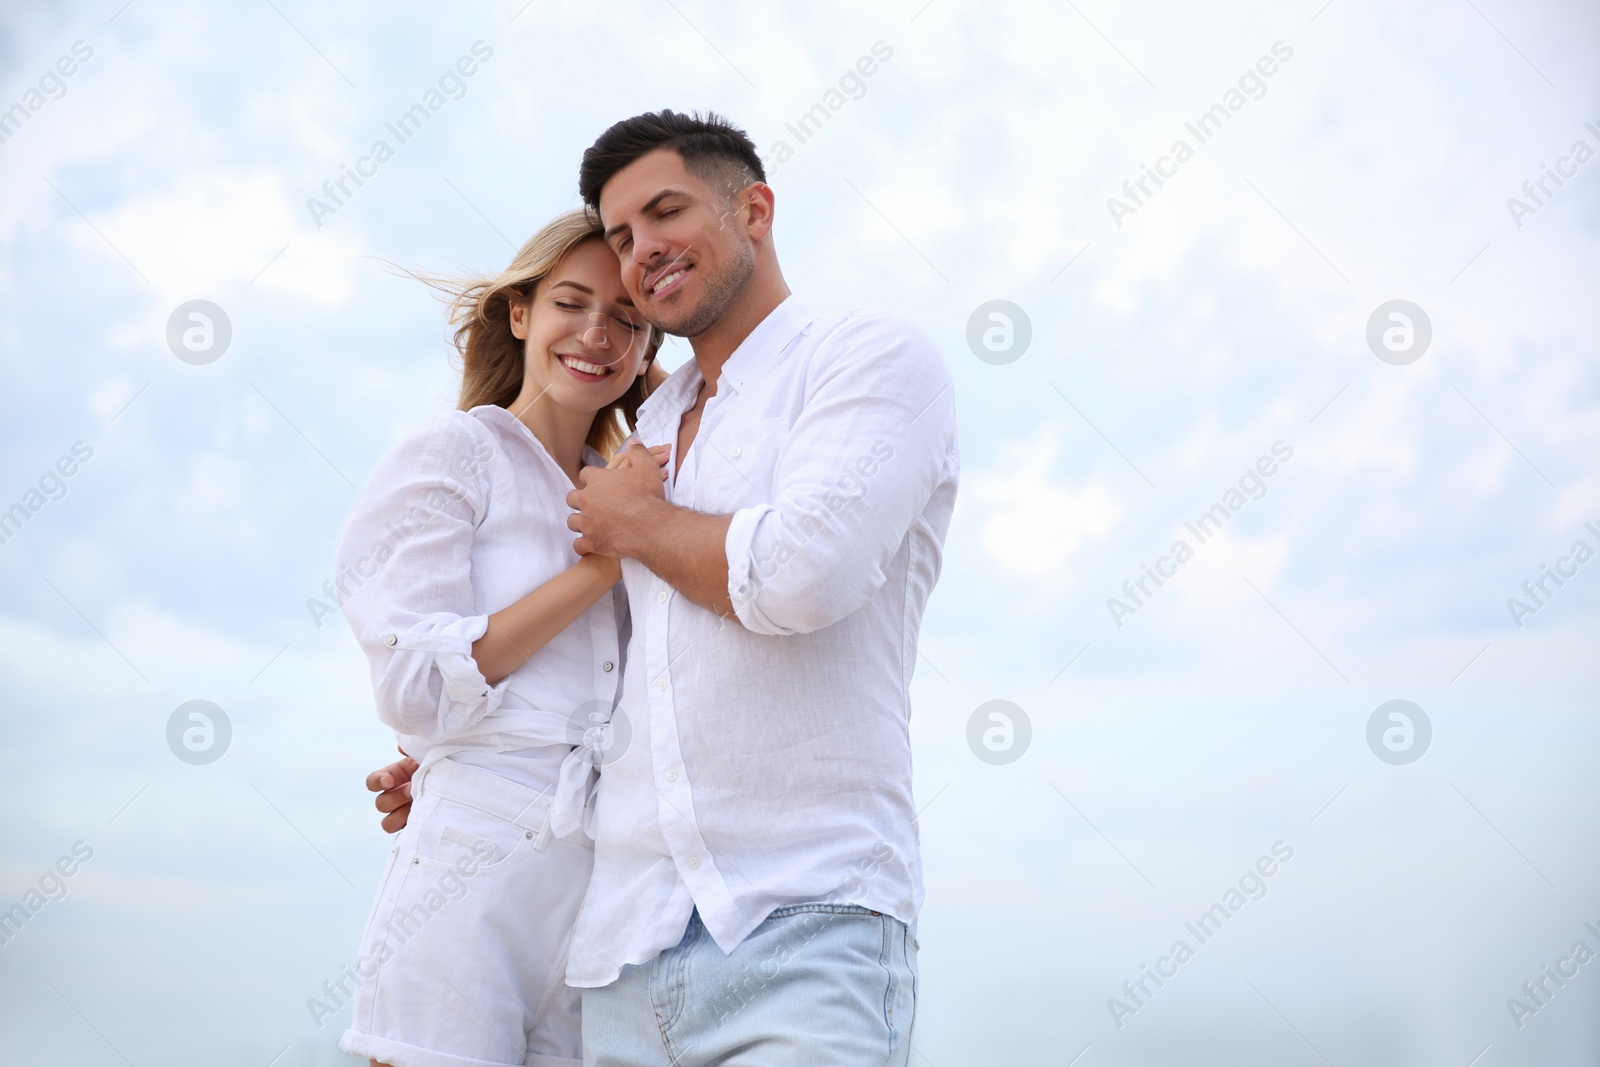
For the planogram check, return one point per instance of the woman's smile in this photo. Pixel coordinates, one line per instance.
(583, 370)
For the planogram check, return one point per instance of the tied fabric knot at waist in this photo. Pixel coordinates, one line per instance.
(570, 806)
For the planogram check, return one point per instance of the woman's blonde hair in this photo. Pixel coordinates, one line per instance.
(493, 359)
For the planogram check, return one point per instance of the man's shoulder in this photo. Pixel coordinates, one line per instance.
(868, 333)
(866, 321)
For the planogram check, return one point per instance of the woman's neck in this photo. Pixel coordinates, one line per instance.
(562, 431)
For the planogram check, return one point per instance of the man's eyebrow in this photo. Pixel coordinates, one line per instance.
(653, 203)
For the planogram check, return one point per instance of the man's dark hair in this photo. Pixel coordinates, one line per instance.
(714, 149)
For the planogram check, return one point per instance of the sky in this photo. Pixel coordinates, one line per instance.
(1391, 491)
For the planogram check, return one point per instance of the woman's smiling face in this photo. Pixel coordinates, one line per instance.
(584, 342)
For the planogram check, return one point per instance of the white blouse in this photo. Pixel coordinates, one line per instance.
(461, 519)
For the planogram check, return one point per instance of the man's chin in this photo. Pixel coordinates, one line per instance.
(683, 322)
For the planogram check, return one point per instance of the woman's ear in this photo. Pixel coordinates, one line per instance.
(517, 309)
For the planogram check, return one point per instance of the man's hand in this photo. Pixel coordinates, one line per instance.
(393, 786)
(615, 501)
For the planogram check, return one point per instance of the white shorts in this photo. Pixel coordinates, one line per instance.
(465, 954)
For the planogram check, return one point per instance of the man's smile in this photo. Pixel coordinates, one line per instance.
(666, 279)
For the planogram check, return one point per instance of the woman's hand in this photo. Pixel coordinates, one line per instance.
(662, 454)
(608, 567)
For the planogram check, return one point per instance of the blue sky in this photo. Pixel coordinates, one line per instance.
(1168, 353)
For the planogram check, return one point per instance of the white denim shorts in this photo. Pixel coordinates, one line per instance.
(465, 953)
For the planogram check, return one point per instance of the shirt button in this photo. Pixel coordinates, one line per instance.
(693, 863)
(672, 775)
(391, 640)
(734, 451)
(606, 666)
(661, 598)
(661, 684)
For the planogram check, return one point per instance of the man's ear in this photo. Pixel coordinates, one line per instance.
(760, 206)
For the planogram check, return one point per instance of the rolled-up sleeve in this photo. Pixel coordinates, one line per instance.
(873, 440)
(403, 572)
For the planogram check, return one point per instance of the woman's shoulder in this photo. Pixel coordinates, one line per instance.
(451, 443)
(450, 430)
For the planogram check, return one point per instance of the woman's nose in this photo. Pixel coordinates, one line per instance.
(595, 336)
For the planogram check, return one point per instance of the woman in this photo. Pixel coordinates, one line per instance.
(495, 657)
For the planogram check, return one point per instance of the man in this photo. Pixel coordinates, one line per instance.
(757, 877)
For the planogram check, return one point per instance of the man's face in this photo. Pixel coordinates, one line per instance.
(685, 255)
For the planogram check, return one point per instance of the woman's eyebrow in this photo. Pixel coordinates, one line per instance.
(624, 300)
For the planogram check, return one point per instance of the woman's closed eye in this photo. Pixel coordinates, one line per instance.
(634, 327)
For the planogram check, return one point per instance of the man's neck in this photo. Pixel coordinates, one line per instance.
(713, 347)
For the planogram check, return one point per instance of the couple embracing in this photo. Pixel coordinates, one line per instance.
(647, 642)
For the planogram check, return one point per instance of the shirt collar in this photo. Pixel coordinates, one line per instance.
(764, 345)
(767, 343)
(671, 397)
(513, 425)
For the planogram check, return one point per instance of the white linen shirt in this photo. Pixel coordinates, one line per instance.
(465, 517)
(769, 761)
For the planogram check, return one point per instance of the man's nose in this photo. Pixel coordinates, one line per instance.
(648, 249)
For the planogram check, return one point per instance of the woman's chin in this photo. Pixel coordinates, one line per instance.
(585, 398)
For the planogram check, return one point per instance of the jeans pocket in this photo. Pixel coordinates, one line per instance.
(900, 998)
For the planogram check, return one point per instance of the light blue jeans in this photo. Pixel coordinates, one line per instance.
(814, 984)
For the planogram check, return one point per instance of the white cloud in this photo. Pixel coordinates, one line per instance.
(210, 231)
(1033, 525)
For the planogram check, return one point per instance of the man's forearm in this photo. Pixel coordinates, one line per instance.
(687, 550)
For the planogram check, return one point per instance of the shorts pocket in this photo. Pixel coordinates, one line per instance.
(459, 837)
